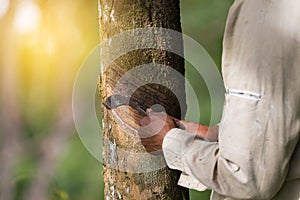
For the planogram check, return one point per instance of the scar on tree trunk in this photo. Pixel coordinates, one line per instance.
(120, 181)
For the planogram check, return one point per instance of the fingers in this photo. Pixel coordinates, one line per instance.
(156, 112)
(145, 121)
(151, 116)
(150, 144)
(154, 128)
(154, 150)
(146, 132)
(151, 141)
(148, 111)
(152, 124)
(179, 123)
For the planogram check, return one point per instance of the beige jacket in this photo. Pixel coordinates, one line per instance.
(258, 153)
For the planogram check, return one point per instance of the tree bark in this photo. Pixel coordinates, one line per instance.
(126, 164)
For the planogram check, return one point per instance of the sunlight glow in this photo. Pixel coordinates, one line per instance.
(27, 17)
(4, 5)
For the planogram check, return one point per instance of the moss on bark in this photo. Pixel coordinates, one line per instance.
(115, 17)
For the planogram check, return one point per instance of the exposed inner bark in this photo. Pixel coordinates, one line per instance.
(124, 157)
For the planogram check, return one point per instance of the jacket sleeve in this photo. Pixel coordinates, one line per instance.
(260, 124)
(250, 161)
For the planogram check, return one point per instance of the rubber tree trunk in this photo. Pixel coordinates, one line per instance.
(130, 172)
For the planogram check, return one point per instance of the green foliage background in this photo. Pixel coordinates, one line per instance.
(73, 27)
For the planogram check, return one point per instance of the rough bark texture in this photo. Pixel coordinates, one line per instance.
(120, 168)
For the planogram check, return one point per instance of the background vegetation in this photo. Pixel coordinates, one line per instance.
(42, 45)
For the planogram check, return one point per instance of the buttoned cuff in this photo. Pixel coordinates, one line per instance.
(175, 144)
(191, 182)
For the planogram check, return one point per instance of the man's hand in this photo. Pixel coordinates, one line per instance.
(156, 125)
(208, 132)
(154, 128)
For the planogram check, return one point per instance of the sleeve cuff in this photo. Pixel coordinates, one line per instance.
(175, 145)
(191, 182)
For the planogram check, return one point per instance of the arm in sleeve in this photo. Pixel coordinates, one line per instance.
(257, 136)
(250, 161)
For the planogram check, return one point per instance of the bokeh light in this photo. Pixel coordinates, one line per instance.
(27, 18)
(4, 5)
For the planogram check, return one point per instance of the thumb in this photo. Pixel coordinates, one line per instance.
(145, 121)
(180, 123)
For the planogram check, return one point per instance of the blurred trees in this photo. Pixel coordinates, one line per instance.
(10, 115)
(38, 67)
